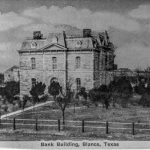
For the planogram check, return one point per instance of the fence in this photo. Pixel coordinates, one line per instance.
(76, 125)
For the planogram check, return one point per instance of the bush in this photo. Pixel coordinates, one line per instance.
(145, 100)
(82, 92)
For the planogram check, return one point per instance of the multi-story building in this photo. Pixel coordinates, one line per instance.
(75, 59)
(11, 74)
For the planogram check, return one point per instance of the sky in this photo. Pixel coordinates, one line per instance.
(127, 22)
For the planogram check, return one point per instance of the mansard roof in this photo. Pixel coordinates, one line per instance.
(63, 42)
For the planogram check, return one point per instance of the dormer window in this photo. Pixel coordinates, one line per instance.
(55, 40)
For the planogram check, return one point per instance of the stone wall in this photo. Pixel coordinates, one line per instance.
(45, 73)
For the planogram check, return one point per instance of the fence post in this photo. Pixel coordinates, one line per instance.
(36, 124)
(74, 108)
(14, 124)
(133, 132)
(59, 125)
(82, 125)
(106, 127)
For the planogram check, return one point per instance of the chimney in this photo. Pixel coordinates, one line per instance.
(37, 35)
(86, 32)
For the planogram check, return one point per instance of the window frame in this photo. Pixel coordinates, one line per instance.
(77, 62)
(78, 84)
(33, 81)
(54, 63)
(33, 63)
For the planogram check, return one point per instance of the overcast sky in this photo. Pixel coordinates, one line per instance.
(128, 23)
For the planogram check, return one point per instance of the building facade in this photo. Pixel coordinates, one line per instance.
(12, 74)
(75, 59)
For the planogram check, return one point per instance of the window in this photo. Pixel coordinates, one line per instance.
(54, 63)
(33, 64)
(78, 82)
(78, 62)
(33, 80)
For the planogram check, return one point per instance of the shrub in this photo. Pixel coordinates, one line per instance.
(83, 93)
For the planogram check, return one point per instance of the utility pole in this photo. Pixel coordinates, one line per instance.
(66, 60)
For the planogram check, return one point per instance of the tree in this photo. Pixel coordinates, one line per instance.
(94, 96)
(122, 89)
(83, 94)
(104, 95)
(145, 99)
(54, 89)
(63, 100)
(100, 95)
(11, 89)
(37, 90)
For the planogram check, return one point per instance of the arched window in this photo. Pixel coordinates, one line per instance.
(54, 63)
(33, 63)
(78, 60)
(78, 83)
(33, 81)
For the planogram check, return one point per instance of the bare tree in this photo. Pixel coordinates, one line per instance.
(64, 99)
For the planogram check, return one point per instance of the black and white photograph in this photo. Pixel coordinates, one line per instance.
(75, 74)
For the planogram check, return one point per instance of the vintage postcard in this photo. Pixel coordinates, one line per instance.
(74, 74)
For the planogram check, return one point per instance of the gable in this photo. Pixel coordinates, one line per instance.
(50, 47)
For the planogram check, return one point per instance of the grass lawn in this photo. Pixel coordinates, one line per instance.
(119, 114)
(136, 114)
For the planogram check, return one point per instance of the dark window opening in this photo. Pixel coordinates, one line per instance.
(78, 83)
(54, 63)
(33, 63)
(33, 80)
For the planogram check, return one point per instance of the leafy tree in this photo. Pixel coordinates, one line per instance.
(100, 95)
(54, 89)
(37, 90)
(122, 89)
(104, 95)
(145, 99)
(94, 96)
(11, 89)
(2, 91)
(140, 89)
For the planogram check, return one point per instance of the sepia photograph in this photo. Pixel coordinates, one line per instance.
(75, 74)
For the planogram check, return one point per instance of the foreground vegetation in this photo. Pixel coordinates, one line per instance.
(136, 114)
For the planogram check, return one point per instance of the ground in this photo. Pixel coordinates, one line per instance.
(93, 117)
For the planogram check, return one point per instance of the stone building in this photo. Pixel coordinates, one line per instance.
(11, 74)
(65, 58)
